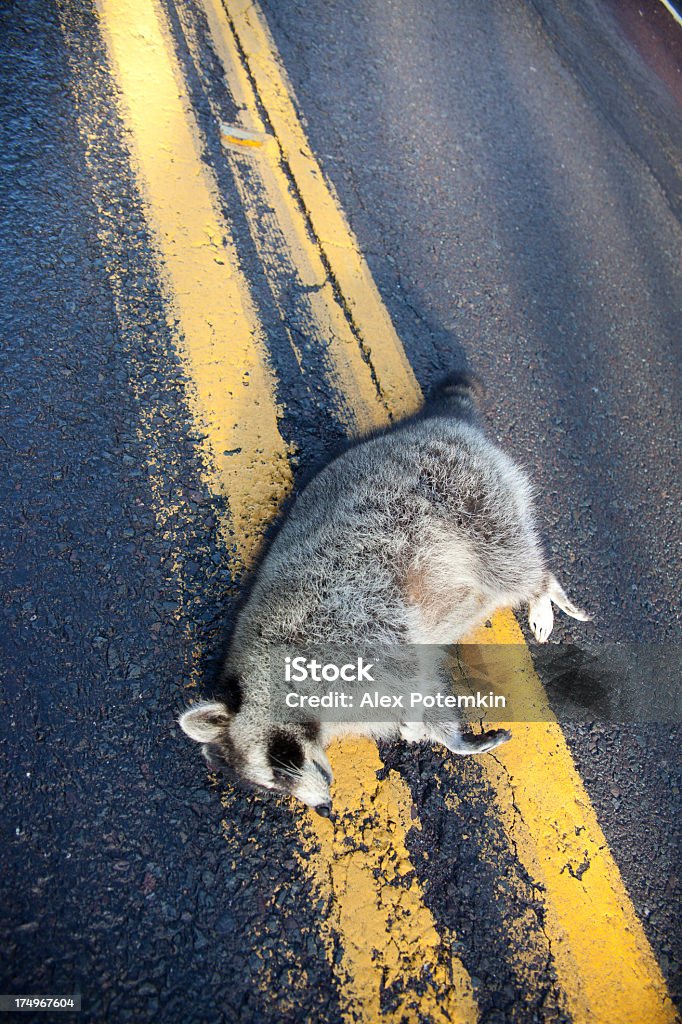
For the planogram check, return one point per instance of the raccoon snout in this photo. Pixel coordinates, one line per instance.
(324, 810)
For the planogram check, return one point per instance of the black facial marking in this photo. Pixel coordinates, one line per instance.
(214, 757)
(284, 751)
(326, 775)
(224, 757)
(311, 730)
(234, 693)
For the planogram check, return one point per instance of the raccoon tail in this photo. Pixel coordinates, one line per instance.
(455, 396)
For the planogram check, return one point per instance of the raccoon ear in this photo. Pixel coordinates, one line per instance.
(204, 722)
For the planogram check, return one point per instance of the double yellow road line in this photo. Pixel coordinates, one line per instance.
(392, 952)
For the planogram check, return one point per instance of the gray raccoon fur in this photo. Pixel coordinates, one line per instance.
(411, 537)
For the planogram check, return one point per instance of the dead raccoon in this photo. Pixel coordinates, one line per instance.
(412, 537)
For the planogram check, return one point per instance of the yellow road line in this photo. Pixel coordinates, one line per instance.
(548, 791)
(671, 10)
(221, 339)
(392, 944)
(283, 240)
(218, 325)
(340, 250)
(605, 965)
(392, 951)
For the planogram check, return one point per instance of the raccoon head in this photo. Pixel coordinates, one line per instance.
(284, 758)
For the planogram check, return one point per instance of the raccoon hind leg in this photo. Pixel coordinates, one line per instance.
(557, 594)
(540, 614)
(452, 737)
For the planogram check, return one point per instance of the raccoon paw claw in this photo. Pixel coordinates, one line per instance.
(541, 618)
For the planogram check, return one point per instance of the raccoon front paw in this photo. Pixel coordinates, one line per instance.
(475, 743)
(493, 738)
(541, 618)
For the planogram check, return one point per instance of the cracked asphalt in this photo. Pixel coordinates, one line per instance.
(512, 173)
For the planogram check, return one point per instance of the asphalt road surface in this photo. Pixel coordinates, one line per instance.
(512, 174)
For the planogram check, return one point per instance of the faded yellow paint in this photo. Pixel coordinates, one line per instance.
(348, 372)
(348, 267)
(236, 140)
(389, 942)
(219, 333)
(376, 908)
(172, 505)
(604, 963)
(222, 344)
